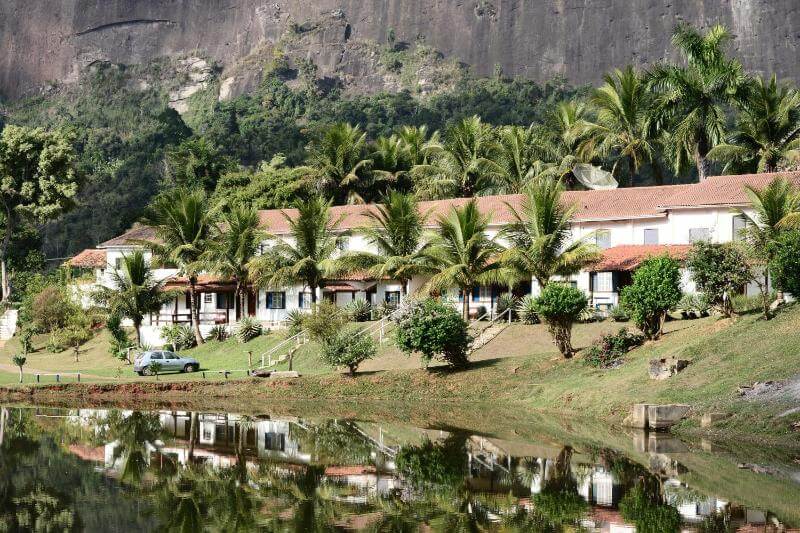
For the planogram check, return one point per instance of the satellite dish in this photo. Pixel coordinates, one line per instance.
(594, 178)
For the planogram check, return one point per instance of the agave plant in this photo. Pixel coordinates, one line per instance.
(217, 333)
(248, 329)
(526, 308)
(359, 310)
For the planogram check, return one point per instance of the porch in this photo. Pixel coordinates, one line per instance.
(216, 301)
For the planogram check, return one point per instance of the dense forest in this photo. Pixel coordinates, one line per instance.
(297, 136)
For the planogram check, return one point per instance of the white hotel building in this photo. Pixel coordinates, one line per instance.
(628, 224)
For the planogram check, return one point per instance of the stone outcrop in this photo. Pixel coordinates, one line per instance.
(667, 367)
(45, 41)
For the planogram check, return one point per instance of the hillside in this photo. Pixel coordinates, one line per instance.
(723, 355)
(46, 42)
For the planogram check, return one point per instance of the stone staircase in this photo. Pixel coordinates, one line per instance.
(487, 334)
(8, 324)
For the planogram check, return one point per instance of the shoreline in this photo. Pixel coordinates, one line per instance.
(421, 406)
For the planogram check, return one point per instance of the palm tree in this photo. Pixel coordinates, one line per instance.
(522, 154)
(135, 436)
(694, 98)
(768, 131)
(775, 208)
(307, 255)
(540, 234)
(417, 144)
(396, 233)
(183, 223)
(390, 164)
(337, 161)
(463, 166)
(622, 127)
(135, 293)
(234, 243)
(463, 255)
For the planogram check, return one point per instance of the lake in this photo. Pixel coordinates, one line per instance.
(120, 470)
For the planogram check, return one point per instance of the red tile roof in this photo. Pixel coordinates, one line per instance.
(615, 204)
(724, 190)
(89, 259)
(629, 257)
(356, 470)
(204, 282)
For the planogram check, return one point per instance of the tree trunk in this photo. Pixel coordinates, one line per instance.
(2, 424)
(631, 171)
(5, 286)
(77, 349)
(193, 306)
(465, 303)
(700, 159)
(20, 374)
(403, 289)
(313, 294)
(137, 327)
(658, 173)
(192, 431)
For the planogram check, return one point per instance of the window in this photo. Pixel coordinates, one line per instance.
(118, 263)
(276, 300)
(651, 236)
(739, 225)
(392, 298)
(343, 244)
(603, 282)
(602, 239)
(275, 441)
(699, 234)
(206, 434)
(170, 355)
(304, 300)
(208, 298)
(157, 356)
(225, 300)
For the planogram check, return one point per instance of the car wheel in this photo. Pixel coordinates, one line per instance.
(190, 368)
(140, 373)
(146, 371)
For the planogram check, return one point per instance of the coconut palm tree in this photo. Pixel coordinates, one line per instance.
(693, 99)
(135, 436)
(234, 243)
(622, 127)
(463, 166)
(463, 255)
(396, 233)
(768, 131)
(522, 154)
(775, 208)
(183, 224)
(390, 164)
(307, 255)
(135, 293)
(540, 235)
(417, 144)
(337, 162)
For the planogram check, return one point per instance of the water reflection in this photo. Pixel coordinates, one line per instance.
(111, 470)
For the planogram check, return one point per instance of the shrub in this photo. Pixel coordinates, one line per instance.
(648, 515)
(608, 351)
(589, 315)
(694, 306)
(483, 312)
(505, 302)
(26, 338)
(527, 310)
(655, 290)
(348, 348)
(618, 314)
(324, 321)
(294, 322)
(785, 266)
(383, 310)
(561, 305)
(746, 304)
(75, 334)
(359, 310)
(50, 310)
(430, 464)
(178, 336)
(248, 329)
(718, 271)
(434, 330)
(218, 333)
(120, 343)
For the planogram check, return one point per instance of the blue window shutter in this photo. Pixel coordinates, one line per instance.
(269, 300)
(460, 295)
(476, 294)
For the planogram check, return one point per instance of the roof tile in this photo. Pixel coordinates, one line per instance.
(89, 259)
(628, 257)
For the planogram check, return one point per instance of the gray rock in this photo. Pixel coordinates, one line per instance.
(277, 374)
(661, 417)
(666, 368)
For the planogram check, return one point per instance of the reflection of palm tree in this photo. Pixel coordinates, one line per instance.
(182, 501)
(135, 435)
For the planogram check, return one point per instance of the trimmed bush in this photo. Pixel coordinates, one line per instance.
(655, 290)
(324, 322)
(359, 310)
(435, 330)
(785, 265)
(719, 271)
(609, 350)
(561, 305)
(348, 348)
(526, 308)
(248, 329)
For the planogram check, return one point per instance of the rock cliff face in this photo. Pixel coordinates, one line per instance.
(45, 40)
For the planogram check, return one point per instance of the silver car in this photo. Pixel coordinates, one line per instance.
(168, 362)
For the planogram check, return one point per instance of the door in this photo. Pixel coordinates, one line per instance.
(171, 361)
(251, 303)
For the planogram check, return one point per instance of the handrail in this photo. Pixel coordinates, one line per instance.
(296, 337)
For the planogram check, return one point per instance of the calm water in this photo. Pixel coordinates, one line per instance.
(110, 470)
